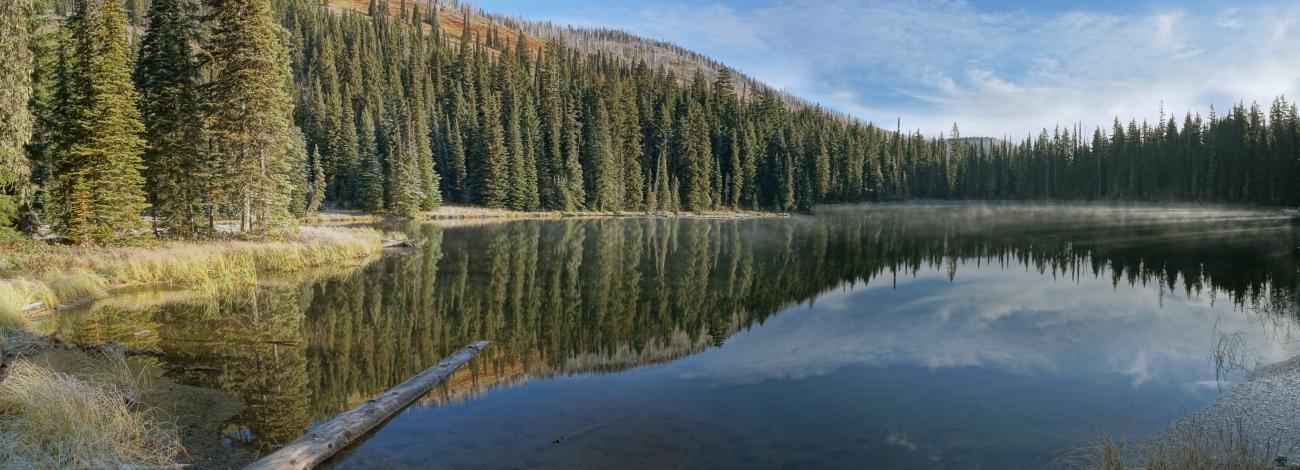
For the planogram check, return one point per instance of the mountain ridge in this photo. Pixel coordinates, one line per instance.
(627, 47)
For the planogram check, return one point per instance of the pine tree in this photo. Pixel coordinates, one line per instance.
(97, 196)
(50, 47)
(250, 115)
(952, 157)
(572, 170)
(736, 171)
(693, 150)
(726, 148)
(457, 169)
(177, 167)
(317, 183)
(554, 188)
(604, 188)
(16, 121)
(753, 152)
(781, 172)
(370, 191)
(419, 107)
(346, 153)
(663, 193)
(663, 131)
(821, 165)
(296, 181)
(632, 147)
(517, 192)
(491, 185)
(528, 195)
(405, 175)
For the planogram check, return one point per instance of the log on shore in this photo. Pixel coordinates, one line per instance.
(33, 307)
(327, 439)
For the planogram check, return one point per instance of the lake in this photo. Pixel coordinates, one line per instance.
(890, 336)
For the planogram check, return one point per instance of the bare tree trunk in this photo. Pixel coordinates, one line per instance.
(327, 439)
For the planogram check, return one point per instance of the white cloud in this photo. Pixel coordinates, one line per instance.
(1011, 320)
(932, 62)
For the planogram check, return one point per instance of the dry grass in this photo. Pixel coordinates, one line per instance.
(1194, 447)
(50, 419)
(15, 330)
(59, 274)
(11, 308)
(342, 217)
(54, 420)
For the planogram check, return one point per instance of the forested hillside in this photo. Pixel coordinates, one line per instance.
(262, 111)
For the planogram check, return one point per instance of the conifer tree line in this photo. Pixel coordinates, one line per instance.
(261, 111)
(525, 125)
(185, 121)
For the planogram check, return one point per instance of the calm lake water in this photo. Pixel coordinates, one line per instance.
(931, 336)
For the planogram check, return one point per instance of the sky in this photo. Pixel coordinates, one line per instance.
(996, 67)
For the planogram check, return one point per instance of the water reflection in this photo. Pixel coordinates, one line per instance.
(1080, 294)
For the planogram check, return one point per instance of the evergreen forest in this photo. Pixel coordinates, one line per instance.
(134, 119)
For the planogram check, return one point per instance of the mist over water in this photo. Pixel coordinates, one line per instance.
(943, 335)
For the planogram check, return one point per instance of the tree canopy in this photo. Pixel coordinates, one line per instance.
(260, 111)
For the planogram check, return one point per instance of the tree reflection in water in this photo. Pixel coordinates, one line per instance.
(604, 295)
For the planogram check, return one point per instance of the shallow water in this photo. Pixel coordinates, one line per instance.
(963, 336)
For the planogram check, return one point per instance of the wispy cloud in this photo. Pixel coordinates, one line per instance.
(989, 319)
(932, 62)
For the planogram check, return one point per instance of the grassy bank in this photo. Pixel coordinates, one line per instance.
(90, 418)
(54, 274)
(50, 419)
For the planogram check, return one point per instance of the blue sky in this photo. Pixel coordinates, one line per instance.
(995, 66)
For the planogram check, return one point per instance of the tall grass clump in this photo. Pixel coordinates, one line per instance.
(15, 294)
(1191, 447)
(74, 284)
(12, 300)
(19, 292)
(54, 420)
(12, 321)
(236, 263)
(62, 274)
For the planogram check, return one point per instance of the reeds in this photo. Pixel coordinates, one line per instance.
(14, 296)
(55, 420)
(50, 419)
(1194, 446)
(62, 274)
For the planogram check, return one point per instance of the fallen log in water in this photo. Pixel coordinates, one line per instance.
(400, 244)
(323, 442)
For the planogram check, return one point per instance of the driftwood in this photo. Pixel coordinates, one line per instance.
(327, 439)
(400, 244)
(33, 307)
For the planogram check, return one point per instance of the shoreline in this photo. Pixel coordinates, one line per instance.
(39, 278)
(1259, 413)
(457, 212)
(99, 382)
(463, 212)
